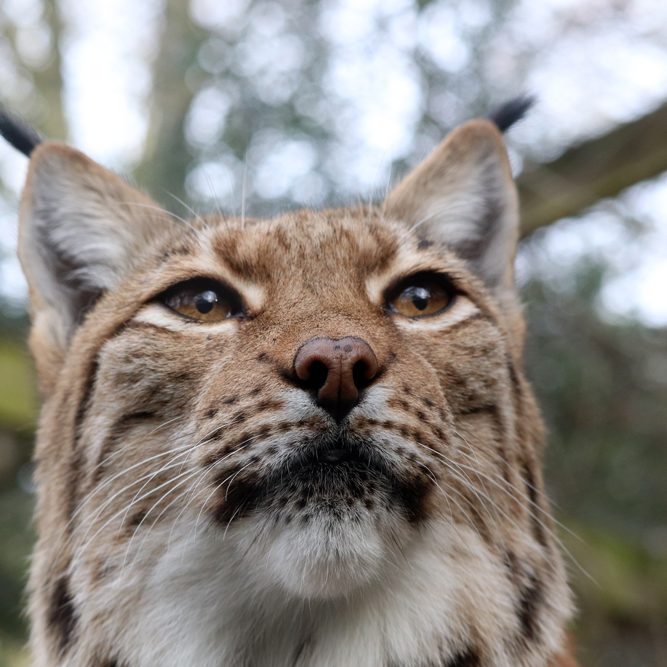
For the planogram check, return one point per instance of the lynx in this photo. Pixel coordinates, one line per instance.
(297, 441)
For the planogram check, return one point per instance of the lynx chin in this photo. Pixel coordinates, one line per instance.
(302, 441)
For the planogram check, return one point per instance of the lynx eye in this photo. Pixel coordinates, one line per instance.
(203, 300)
(421, 295)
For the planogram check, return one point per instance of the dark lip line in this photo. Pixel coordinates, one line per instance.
(367, 464)
(357, 451)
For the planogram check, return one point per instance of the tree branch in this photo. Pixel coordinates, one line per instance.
(599, 168)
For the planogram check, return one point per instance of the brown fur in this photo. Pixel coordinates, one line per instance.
(130, 383)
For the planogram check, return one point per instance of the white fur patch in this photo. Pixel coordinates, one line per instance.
(214, 599)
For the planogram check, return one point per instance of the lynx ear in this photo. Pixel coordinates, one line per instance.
(81, 229)
(463, 196)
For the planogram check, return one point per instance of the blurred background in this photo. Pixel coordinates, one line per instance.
(270, 104)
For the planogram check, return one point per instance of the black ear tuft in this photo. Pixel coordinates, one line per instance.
(20, 135)
(511, 112)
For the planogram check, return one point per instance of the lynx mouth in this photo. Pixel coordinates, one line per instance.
(342, 454)
(330, 472)
(338, 478)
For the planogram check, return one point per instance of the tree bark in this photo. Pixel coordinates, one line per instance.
(164, 164)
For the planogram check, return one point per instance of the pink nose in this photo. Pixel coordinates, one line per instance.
(335, 371)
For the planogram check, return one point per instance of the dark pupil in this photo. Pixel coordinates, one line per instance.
(205, 301)
(420, 297)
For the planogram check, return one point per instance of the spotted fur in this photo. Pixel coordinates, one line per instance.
(184, 514)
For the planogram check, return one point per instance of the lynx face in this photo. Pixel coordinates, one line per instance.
(297, 441)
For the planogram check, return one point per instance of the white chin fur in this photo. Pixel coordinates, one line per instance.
(324, 559)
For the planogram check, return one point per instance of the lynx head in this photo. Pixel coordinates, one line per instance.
(281, 418)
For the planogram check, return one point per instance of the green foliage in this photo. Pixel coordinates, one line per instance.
(621, 590)
(17, 538)
(18, 404)
(603, 389)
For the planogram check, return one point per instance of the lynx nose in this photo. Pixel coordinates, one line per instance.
(336, 371)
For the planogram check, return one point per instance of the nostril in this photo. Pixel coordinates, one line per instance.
(362, 374)
(317, 374)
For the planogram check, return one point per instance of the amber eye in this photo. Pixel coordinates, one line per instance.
(203, 300)
(421, 295)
